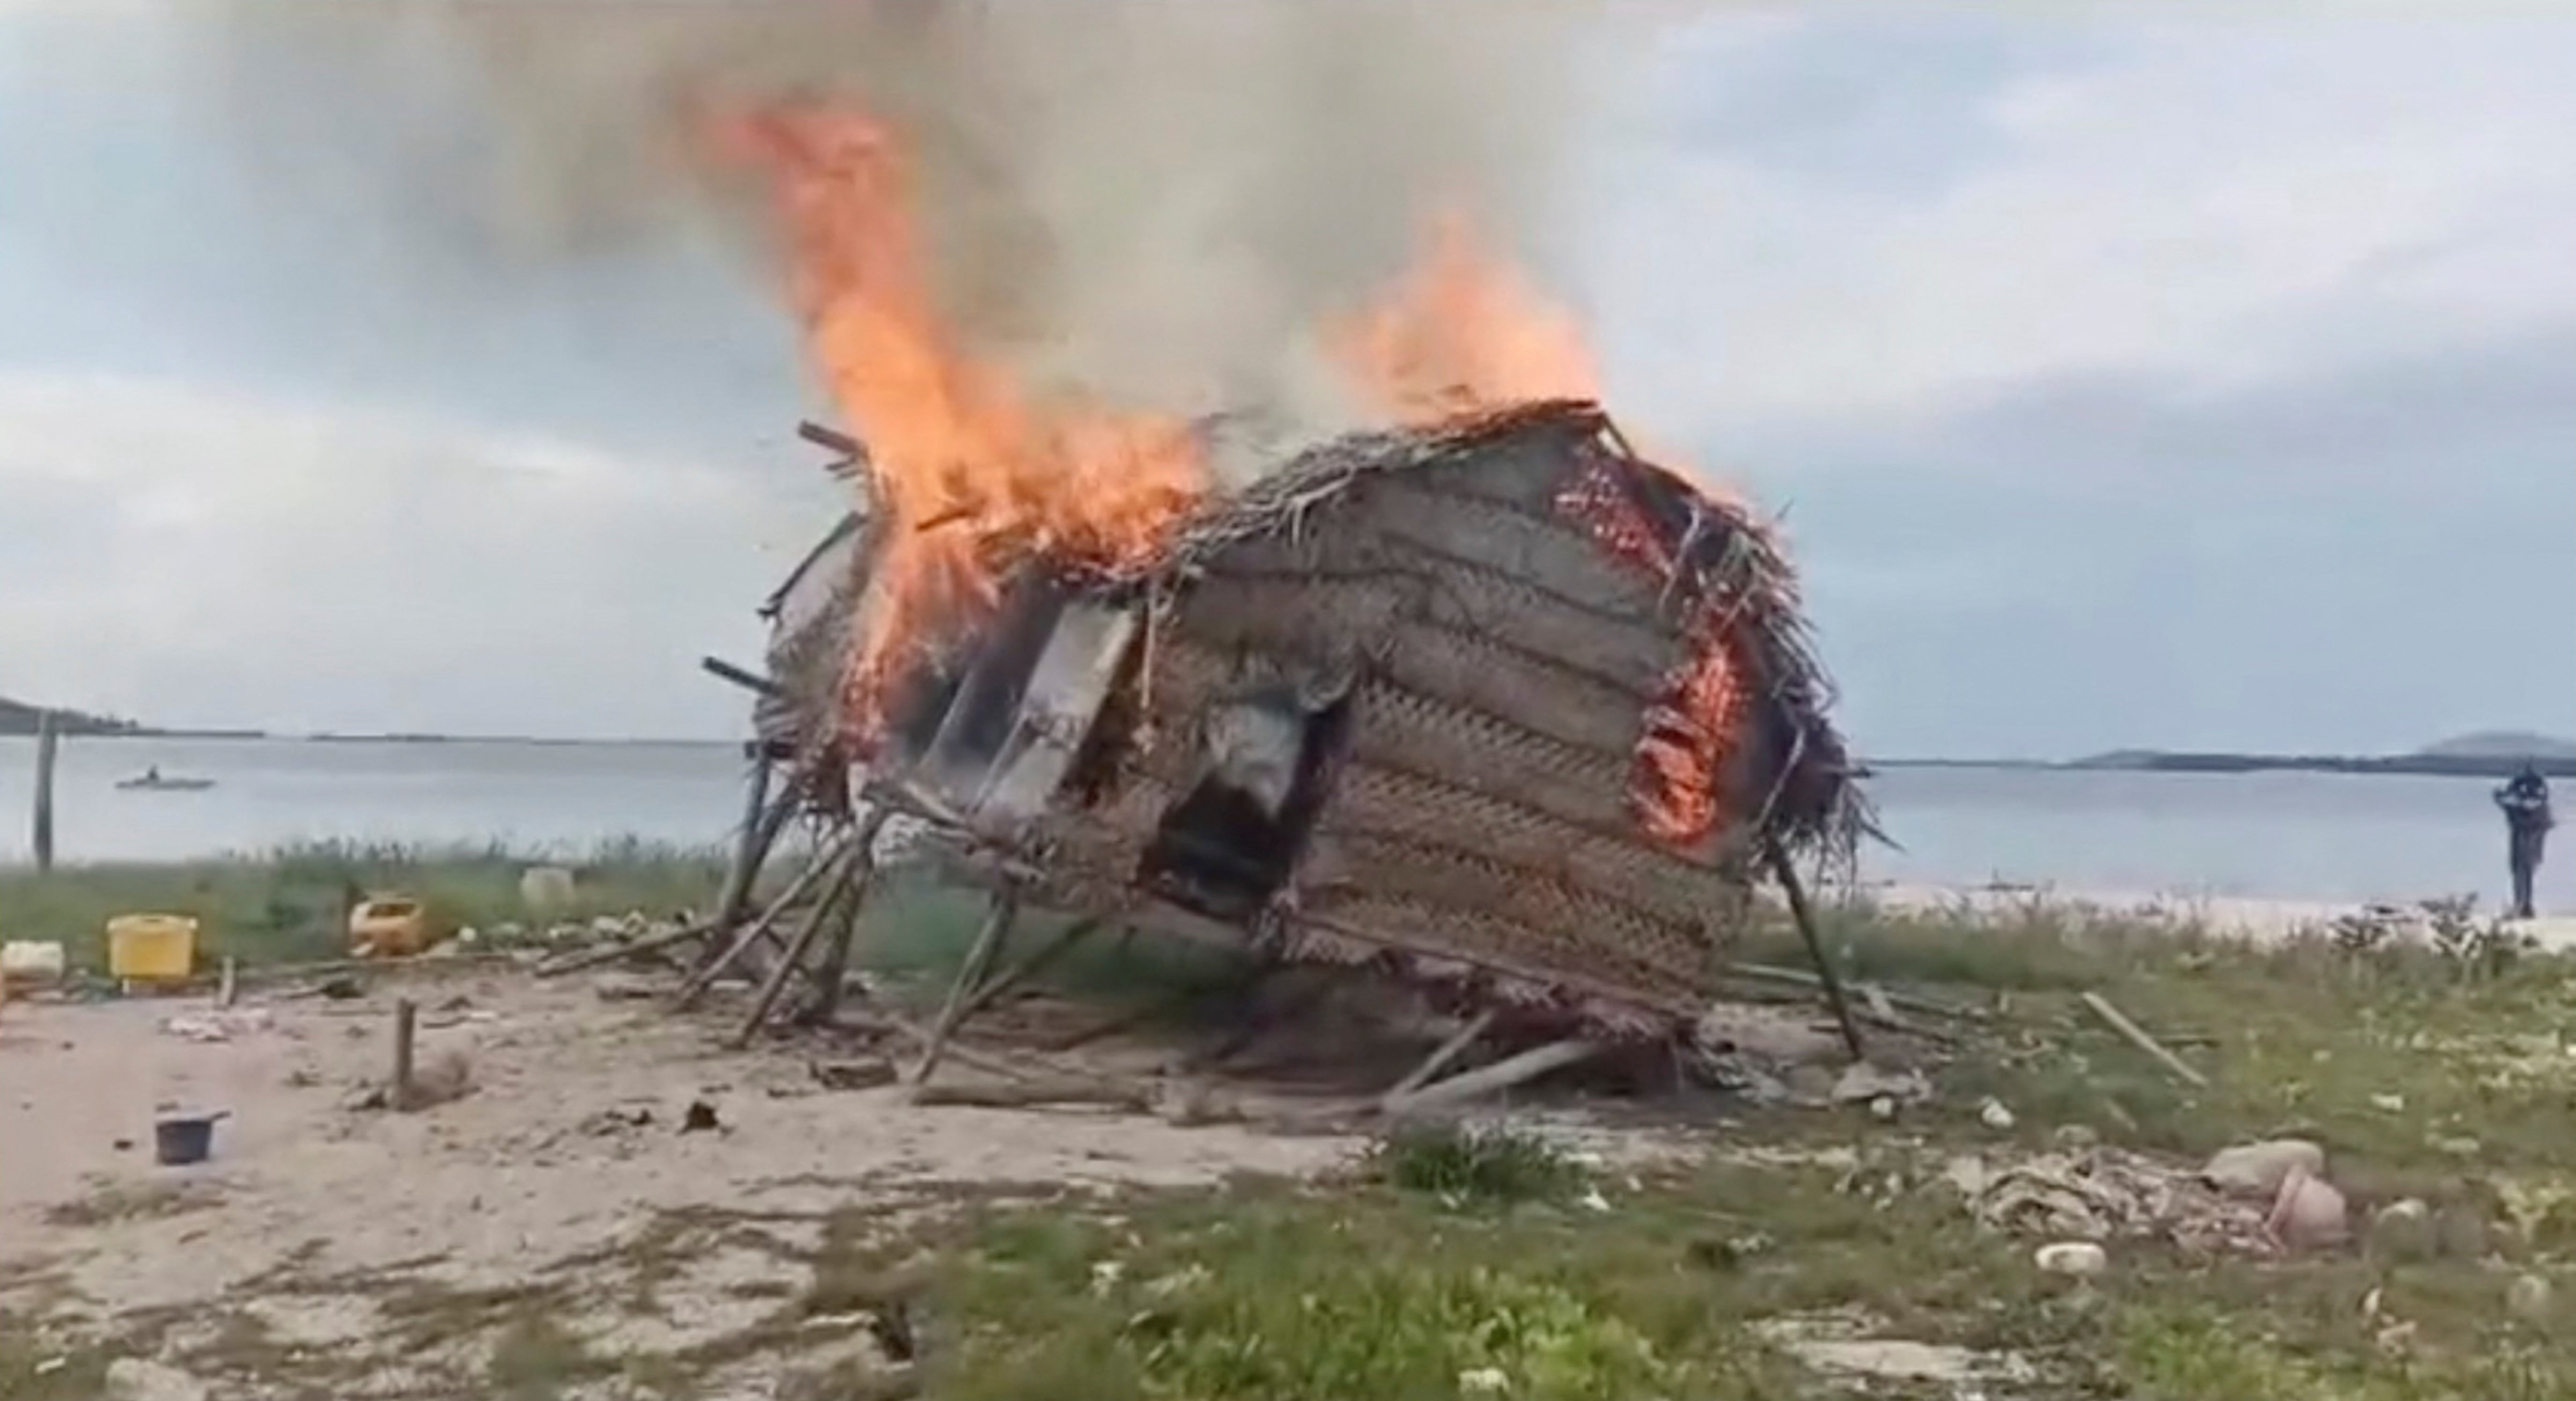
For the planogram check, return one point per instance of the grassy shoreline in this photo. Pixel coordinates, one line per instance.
(286, 904)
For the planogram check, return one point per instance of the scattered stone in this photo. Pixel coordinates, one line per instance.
(2309, 1214)
(1866, 1083)
(2257, 1170)
(2458, 1147)
(2530, 1298)
(2076, 1259)
(1883, 1108)
(446, 1077)
(366, 1099)
(700, 1118)
(1995, 1116)
(2402, 1233)
(2389, 1104)
(611, 1122)
(866, 1073)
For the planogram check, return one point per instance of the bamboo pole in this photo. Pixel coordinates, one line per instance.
(1796, 891)
(2137, 1036)
(1030, 966)
(48, 744)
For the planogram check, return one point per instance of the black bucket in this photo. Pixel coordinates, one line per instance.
(180, 1139)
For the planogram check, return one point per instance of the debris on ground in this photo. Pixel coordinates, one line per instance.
(2257, 1170)
(864, 1073)
(2309, 1214)
(2078, 1259)
(2102, 1194)
(1864, 1083)
(215, 1028)
(700, 1118)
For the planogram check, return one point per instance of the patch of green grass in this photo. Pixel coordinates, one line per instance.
(35, 1368)
(535, 1359)
(1479, 1163)
(287, 904)
(114, 1202)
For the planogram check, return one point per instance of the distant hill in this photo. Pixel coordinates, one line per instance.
(2501, 744)
(19, 718)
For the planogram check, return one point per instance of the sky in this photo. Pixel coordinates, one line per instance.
(2125, 377)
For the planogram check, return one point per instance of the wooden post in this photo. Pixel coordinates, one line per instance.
(793, 956)
(230, 986)
(761, 823)
(48, 743)
(988, 943)
(406, 1028)
(835, 968)
(1796, 891)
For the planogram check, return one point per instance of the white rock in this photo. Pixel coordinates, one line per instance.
(1995, 1116)
(1484, 1381)
(2389, 1104)
(2309, 1214)
(2530, 1298)
(546, 888)
(2257, 1170)
(2076, 1259)
(1883, 1107)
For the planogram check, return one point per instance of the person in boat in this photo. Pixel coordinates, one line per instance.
(2527, 820)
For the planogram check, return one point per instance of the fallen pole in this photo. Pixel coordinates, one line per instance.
(592, 958)
(2137, 1036)
(1439, 1060)
(1493, 1079)
(1787, 873)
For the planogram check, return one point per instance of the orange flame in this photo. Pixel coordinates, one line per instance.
(1461, 334)
(969, 476)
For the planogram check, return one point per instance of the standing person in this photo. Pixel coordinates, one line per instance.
(2527, 820)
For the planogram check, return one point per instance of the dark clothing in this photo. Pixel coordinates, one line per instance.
(2527, 817)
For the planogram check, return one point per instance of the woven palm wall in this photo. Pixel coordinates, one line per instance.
(1500, 665)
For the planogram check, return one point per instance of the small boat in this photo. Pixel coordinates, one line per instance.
(152, 780)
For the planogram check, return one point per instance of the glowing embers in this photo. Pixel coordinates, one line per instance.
(1677, 782)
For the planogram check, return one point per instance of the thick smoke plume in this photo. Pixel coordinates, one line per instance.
(1151, 200)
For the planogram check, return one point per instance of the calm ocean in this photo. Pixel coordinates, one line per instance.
(2298, 836)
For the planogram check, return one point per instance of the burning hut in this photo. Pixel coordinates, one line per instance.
(1494, 706)
(1486, 702)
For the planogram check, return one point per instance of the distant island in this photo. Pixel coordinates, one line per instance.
(2488, 754)
(20, 718)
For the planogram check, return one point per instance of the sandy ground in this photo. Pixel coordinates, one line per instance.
(569, 1146)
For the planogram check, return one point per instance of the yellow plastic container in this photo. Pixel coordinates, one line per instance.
(149, 948)
(390, 926)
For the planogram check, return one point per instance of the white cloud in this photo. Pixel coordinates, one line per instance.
(262, 562)
(2221, 201)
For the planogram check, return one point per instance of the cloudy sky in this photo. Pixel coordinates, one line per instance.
(2127, 377)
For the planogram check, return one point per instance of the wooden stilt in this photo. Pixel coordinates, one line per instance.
(826, 862)
(988, 944)
(1253, 1024)
(1030, 966)
(762, 820)
(835, 895)
(1440, 1059)
(1790, 886)
(834, 971)
(1493, 1079)
(49, 738)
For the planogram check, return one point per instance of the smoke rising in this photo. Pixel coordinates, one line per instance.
(1151, 200)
